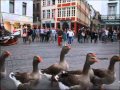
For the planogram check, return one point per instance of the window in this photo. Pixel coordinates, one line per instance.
(48, 2)
(64, 1)
(44, 2)
(53, 13)
(68, 0)
(24, 8)
(59, 1)
(53, 2)
(43, 13)
(112, 0)
(112, 8)
(38, 7)
(34, 7)
(48, 13)
(63, 12)
(59, 12)
(68, 11)
(11, 6)
(73, 11)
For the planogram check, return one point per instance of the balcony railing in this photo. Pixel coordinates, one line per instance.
(110, 17)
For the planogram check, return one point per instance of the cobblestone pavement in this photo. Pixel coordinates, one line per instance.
(22, 55)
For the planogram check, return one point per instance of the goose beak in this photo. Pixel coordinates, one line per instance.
(7, 53)
(94, 54)
(68, 46)
(119, 58)
(39, 59)
(94, 59)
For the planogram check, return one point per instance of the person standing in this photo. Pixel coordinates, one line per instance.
(70, 36)
(29, 32)
(38, 34)
(95, 36)
(33, 34)
(53, 34)
(60, 34)
(65, 37)
(24, 35)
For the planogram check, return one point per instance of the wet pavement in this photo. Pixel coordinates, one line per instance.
(22, 56)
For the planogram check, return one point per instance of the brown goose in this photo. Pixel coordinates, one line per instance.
(2, 63)
(105, 76)
(32, 77)
(58, 67)
(76, 81)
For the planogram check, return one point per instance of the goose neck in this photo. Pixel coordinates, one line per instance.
(86, 68)
(62, 55)
(2, 63)
(111, 65)
(35, 67)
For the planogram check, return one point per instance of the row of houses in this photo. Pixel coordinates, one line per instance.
(72, 14)
(64, 14)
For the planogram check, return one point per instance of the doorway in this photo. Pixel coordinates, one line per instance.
(65, 25)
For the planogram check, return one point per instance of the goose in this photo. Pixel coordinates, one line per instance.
(4, 55)
(32, 77)
(77, 81)
(19, 84)
(105, 76)
(54, 69)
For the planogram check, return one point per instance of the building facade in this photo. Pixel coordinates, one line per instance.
(65, 14)
(48, 13)
(37, 13)
(95, 19)
(16, 13)
(111, 14)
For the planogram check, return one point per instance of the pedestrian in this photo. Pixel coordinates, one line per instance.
(42, 34)
(33, 34)
(92, 35)
(24, 35)
(95, 36)
(64, 37)
(29, 34)
(70, 36)
(37, 34)
(53, 34)
(60, 35)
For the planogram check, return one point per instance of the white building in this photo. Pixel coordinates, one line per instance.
(111, 14)
(110, 11)
(110, 7)
(16, 13)
(48, 12)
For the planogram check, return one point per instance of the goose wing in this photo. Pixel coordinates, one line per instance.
(53, 69)
(100, 72)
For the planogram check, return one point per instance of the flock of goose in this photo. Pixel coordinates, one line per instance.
(86, 79)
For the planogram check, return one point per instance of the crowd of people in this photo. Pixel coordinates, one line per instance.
(66, 36)
(104, 35)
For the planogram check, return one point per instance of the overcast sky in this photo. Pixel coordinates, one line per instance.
(96, 4)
